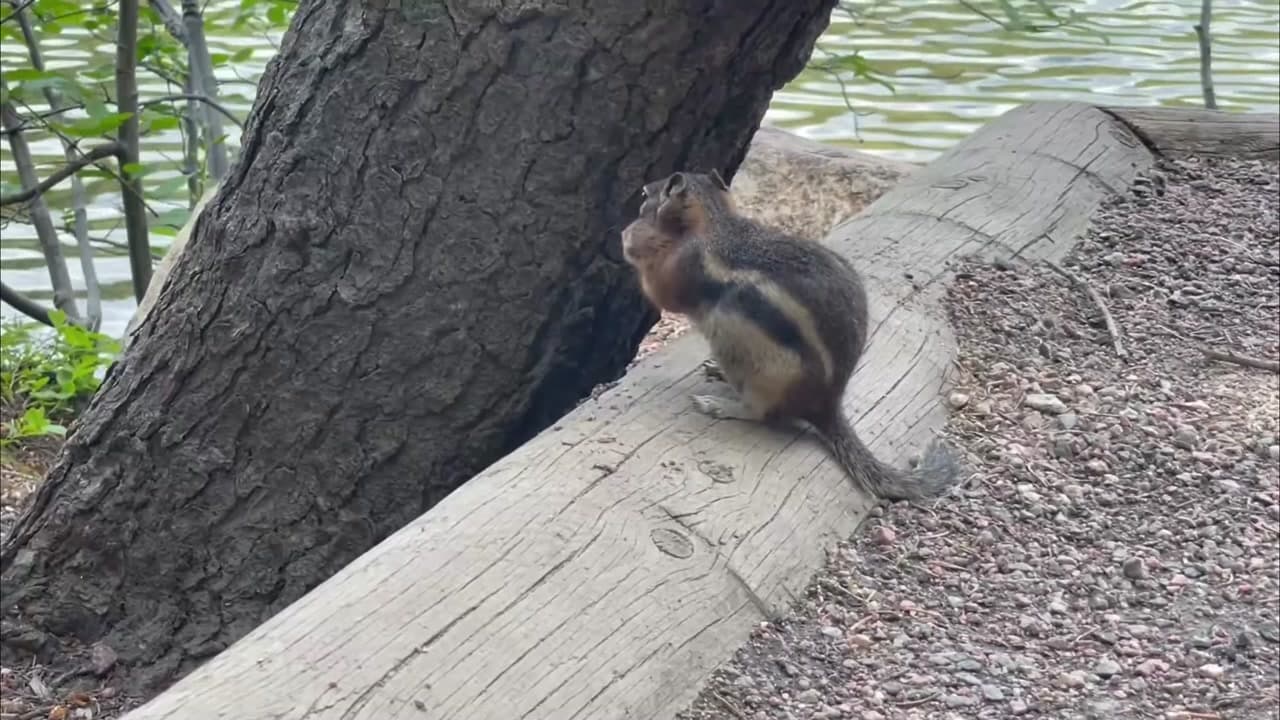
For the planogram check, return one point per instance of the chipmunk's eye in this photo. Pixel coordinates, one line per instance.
(644, 193)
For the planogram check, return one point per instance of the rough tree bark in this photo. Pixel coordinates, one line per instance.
(412, 268)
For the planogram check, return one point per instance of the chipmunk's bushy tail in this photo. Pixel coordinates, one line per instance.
(938, 469)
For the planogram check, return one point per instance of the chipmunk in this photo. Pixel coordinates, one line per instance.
(786, 319)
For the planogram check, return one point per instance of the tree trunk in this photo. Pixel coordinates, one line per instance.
(412, 268)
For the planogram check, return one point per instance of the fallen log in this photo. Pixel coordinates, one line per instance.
(1181, 132)
(603, 569)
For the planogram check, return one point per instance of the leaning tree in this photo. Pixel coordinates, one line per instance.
(412, 268)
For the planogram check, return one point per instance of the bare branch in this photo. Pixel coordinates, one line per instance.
(191, 151)
(135, 210)
(63, 295)
(92, 156)
(200, 67)
(198, 98)
(171, 18)
(25, 305)
(18, 8)
(79, 198)
(1206, 55)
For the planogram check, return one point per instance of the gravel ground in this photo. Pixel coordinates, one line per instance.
(1128, 567)
(1117, 552)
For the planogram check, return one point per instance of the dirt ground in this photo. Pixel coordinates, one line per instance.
(1117, 553)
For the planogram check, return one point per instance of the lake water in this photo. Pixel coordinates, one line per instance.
(951, 71)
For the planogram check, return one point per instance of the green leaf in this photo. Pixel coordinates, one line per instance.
(92, 126)
(94, 106)
(168, 189)
(162, 122)
(135, 169)
(50, 8)
(30, 74)
(242, 55)
(176, 217)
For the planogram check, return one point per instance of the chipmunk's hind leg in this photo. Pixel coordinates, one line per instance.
(759, 369)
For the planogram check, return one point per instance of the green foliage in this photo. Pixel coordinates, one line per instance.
(91, 114)
(45, 375)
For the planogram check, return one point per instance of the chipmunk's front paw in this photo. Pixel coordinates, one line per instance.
(712, 370)
(709, 405)
(724, 408)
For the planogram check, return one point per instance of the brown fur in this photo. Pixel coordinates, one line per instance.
(786, 318)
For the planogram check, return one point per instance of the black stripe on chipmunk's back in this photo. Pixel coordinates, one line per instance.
(747, 301)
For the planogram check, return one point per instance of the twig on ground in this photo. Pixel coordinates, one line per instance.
(917, 701)
(1244, 360)
(724, 702)
(1112, 328)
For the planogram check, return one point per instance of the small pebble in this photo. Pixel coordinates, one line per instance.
(1185, 437)
(1106, 667)
(1047, 404)
(1072, 680)
(1212, 671)
(883, 535)
(1134, 568)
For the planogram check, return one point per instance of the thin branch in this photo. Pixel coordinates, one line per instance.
(1242, 360)
(79, 198)
(1206, 55)
(198, 98)
(63, 296)
(171, 18)
(191, 151)
(111, 149)
(104, 168)
(18, 8)
(135, 210)
(200, 67)
(25, 305)
(1112, 329)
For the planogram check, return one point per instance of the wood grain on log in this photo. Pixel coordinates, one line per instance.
(607, 566)
(1182, 132)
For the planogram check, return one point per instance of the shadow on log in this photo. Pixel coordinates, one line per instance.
(607, 566)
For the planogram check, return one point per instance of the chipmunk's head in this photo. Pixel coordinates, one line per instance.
(643, 243)
(689, 203)
(673, 211)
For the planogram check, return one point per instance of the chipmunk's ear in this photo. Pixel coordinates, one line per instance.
(676, 185)
(719, 181)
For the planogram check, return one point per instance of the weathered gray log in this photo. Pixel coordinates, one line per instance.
(805, 187)
(604, 568)
(1182, 132)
